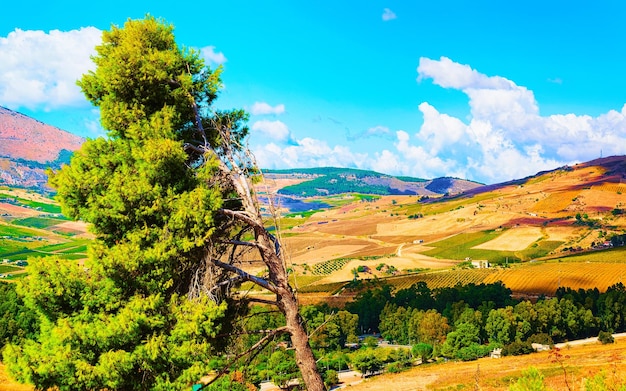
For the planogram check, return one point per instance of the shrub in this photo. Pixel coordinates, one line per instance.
(331, 378)
(396, 367)
(472, 352)
(541, 338)
(531, 380)
(517, 348)
(605, 337)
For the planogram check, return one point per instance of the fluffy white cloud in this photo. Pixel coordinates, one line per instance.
(262, 108)
(275, 130)
(388, 15)
(211, 56)
(307, 152)
(506, 137)
(40, 69)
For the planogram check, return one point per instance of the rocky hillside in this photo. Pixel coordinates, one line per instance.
(28, 147)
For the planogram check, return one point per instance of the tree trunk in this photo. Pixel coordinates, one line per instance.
(270, 251)
(300, 341)
(288, 304)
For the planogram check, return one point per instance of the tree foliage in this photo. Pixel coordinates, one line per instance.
(168, 196)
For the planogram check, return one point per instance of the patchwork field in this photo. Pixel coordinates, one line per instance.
(522, 225)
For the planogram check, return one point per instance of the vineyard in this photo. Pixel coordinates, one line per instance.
(441, 279)
(618, 188)
(327, 267)
(545, 278)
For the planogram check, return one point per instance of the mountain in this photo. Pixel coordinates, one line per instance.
(324, 181)
(28, 147)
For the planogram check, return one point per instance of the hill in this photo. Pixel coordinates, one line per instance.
(548, 230)
(324, 181)
(28, 147)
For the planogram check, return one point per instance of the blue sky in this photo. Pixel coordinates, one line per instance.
(484, 90)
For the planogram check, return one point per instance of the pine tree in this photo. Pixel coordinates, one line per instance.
(169, 197)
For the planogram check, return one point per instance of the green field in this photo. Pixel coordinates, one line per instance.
(460, 247)
(9, 269)
(617, 255)
(38, 222)
(42, 206)
(540, 249)
(17, 232)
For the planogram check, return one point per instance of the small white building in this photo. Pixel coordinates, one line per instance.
(481, 264)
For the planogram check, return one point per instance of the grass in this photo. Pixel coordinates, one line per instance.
(539, 249)
(13, 231)
(461, 246)
(9, 269)
(443, 205)
(74, 246)
(38, 222)
(486, 374)
(617, 254)
(42, 206)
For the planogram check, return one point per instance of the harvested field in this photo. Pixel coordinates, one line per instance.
(545, 278)
(514, 239)
(17, 211)
(325, 253)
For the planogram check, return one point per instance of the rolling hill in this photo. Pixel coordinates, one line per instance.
(28, 147)
(338, 220)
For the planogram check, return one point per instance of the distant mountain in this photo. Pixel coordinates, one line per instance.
(311, 182)
(28, 147)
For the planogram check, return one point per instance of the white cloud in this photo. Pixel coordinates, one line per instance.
(506, 137)
(388, 15)
(307, 152)
(276, 130)
(40, 69)
(211, 56)
(262, 108)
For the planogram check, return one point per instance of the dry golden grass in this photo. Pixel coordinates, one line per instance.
(17, 211)
(486, 374)
(515, 239)
(540, 277)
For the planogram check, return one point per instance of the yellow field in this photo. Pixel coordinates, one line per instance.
(545, 278)
(486, 374)
(515, 239)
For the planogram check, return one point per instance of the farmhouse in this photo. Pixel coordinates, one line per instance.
(481, 264)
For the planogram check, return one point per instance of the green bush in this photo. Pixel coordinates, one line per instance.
(472, 352)
(331, 378)
(605, 337)
(541, 338)
(517, 348)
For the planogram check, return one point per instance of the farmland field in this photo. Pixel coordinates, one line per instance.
(487, 374)
(9, 269)
(514, 239)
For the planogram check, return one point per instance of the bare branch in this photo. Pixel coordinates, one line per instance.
(241, 216)
(247, 276)
(241, 243)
